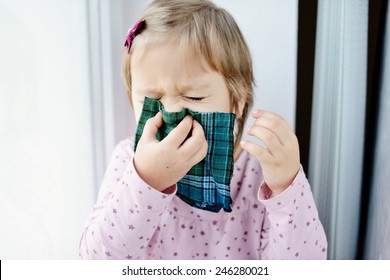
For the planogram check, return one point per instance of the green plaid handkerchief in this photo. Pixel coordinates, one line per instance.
(207, 184)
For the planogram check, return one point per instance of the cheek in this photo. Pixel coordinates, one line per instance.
(137, 108)
(223, 96)
(222, 104)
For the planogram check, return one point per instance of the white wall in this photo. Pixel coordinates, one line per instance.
(270, 28)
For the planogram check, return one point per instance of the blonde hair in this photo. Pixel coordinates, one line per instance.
(212, 33)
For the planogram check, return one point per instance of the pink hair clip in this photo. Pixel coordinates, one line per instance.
(137, 28)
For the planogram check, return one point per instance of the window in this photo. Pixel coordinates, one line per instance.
(46, 163)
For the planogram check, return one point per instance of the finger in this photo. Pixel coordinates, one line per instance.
(261, 154)
(199, 155)
(195, 142)
(268, 137)
(177, 136)
(151, 127)
(280, 130)
(277, 118)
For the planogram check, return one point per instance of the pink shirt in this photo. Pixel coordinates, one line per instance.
(131, 220)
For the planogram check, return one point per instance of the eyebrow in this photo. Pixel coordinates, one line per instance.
(180, 89)
(188, 87)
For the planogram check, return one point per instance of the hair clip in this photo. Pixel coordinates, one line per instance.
(137, 28)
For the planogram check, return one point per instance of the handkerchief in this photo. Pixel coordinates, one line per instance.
(207, 184)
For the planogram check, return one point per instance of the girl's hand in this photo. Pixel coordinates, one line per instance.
(280, 159)
(162, 164)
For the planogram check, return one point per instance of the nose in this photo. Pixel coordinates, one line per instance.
(172, 105)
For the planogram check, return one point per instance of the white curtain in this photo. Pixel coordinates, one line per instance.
(378, 229)
(46, 153)
(337, 132)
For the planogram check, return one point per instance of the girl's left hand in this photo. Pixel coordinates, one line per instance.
(280, 159)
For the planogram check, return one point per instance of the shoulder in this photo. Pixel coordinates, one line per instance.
(249, 165)
(247, 176)
(126, 145)
(124, 149)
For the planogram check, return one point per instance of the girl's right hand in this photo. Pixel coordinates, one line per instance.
(161, 164)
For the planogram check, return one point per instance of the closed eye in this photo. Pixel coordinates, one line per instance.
(195, 99)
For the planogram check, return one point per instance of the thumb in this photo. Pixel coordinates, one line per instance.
(151, 127)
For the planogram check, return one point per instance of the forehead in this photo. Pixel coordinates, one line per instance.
(159, 56)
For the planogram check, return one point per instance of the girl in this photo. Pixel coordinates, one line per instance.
(191, 54)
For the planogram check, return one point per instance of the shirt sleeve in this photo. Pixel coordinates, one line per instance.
(291, 228)
(126, 214)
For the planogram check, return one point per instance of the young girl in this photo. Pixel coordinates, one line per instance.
(191, 54)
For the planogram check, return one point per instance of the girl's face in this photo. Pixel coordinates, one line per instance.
(179, 81)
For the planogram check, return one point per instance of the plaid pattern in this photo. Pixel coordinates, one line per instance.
(207, 184)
